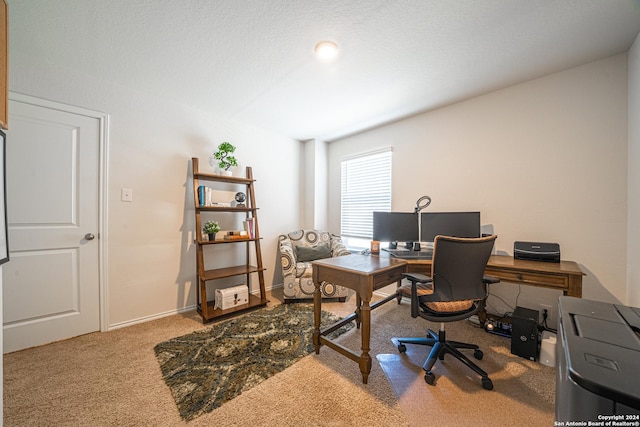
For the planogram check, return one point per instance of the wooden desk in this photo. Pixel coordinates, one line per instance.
(565, 275)
(364, 274)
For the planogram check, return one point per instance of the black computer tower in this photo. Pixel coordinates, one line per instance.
(524, 333)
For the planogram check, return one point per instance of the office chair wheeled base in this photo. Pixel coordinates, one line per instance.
(440, 347)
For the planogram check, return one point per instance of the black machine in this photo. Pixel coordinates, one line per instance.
(536, 251)
(395, 227)
(524, 333)
(456, 224)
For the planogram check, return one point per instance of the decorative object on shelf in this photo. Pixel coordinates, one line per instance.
(231, 297)
(211, 228)
(240, 198)
(224, 157)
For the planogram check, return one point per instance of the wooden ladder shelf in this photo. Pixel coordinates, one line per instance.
(206, 305)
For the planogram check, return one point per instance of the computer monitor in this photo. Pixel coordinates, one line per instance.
(395, 226)
(457, 224)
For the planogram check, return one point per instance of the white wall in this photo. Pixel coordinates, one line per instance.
(321, 209)
(544, 160)
(315, 185)
(308, 174)
(633, 251)
(151, 257)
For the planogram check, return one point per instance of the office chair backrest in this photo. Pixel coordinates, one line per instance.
(458, 267)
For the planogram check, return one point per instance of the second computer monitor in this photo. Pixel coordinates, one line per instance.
(457, 224)
(395, 226)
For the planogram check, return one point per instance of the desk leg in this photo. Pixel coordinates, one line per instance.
(317, 308)
(398, 294)
(358, 315)
(365, 359)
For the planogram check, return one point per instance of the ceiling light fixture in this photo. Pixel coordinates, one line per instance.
(326, 50)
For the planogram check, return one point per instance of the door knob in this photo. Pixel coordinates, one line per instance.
(89, 236)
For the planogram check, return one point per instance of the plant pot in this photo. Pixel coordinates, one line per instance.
(226, 173)
(212, 237)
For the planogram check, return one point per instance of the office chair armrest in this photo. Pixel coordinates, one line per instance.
(417, 278)
(489, 280)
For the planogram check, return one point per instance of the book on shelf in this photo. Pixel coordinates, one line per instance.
(236, 237)
(248, 226)
(201, 195)
(205, 198)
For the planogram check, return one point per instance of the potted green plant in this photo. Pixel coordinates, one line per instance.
(211, 228)
(224, 157)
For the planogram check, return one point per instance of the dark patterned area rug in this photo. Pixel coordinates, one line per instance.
(206, 368)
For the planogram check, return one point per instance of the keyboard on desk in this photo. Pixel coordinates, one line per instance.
(408, 254)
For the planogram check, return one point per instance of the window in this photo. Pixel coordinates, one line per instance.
(365, 187)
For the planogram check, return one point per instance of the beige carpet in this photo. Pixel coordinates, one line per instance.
(113, 379)
(523, 391)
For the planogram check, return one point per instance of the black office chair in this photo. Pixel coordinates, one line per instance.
(456, 290)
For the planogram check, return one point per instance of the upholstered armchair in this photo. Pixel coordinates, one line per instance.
(297, 250)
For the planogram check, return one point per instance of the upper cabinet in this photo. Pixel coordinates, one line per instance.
(4, 65)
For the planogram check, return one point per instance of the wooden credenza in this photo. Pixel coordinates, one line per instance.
(565, 275)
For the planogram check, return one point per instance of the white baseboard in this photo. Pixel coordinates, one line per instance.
(150, 318)
(169, 313)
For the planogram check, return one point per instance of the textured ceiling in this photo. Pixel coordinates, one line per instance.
(252, 60)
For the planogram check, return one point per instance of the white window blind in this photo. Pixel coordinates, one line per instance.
(366, 187)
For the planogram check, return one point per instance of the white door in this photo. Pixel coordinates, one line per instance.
(51, 283)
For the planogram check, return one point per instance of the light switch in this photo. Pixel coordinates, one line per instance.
(127, 195)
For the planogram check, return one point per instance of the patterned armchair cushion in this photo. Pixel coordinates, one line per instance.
(297, 273)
